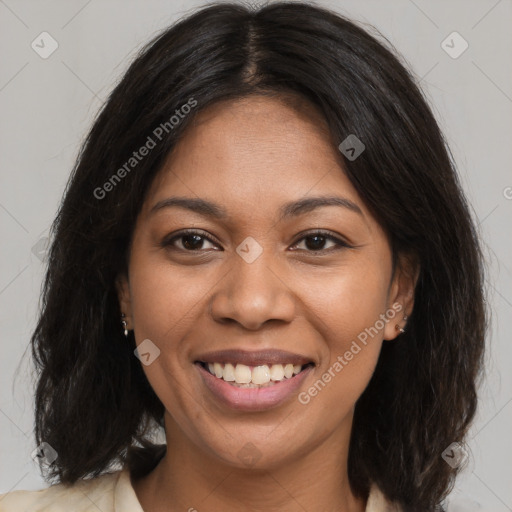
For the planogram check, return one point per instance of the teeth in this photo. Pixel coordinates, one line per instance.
(218, 370)
(260, 375)
(229, 373)
(245, 376)
(242, 374)
(277, 372)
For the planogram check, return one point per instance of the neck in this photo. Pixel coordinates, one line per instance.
(188, 478)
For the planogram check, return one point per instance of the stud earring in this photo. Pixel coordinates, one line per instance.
(124, 324)
(401, 329)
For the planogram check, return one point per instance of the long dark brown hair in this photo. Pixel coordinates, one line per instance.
(94, 404)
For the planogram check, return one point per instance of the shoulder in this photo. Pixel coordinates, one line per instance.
(84, 496)
(377, 502)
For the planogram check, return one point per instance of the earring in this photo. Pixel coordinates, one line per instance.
(124, 324)
(401, 329)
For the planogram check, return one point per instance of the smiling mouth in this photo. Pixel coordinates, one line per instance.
(243, 376)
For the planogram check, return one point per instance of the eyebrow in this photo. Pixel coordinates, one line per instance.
(291, 209)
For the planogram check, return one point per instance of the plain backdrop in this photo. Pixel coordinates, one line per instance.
(48, 104)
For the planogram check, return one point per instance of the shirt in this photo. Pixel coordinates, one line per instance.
(113, 492)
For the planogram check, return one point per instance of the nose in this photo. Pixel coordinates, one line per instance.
(251, 294)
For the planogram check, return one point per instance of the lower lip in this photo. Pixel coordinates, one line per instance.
(252, 399)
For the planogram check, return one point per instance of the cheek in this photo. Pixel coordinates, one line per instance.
(164, 303)
(347, 302)
(346, 309)
(165, 298)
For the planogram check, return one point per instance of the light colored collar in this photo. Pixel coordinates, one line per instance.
(377, 502)
(125, 499)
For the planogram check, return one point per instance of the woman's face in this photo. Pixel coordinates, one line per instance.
(256, 285)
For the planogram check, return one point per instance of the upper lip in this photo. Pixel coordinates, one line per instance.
(253, 358)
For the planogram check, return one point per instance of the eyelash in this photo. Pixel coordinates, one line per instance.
(339, 244)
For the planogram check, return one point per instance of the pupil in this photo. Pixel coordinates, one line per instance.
(196, 243)
(318, 242)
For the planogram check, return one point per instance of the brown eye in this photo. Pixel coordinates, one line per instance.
(190, 241)
(319, 242)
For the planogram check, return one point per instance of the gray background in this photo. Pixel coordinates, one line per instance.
(48, 105)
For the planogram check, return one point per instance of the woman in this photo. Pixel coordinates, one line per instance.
(263, 248)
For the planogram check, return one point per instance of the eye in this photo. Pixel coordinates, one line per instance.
(319, 241)
(189, 240)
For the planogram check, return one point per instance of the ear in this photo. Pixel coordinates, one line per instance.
(401, 293)
(124, 297)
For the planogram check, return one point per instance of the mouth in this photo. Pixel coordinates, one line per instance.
(253, 381)
(243, 376)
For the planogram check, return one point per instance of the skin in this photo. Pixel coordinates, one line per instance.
(251, 156)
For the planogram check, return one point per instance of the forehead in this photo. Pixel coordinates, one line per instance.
(257, 151)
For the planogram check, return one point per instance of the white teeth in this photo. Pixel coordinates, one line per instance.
(277, 372)
(245, 376)
(218, 370)
(229, 372)
(260, 375)
(242, 374)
